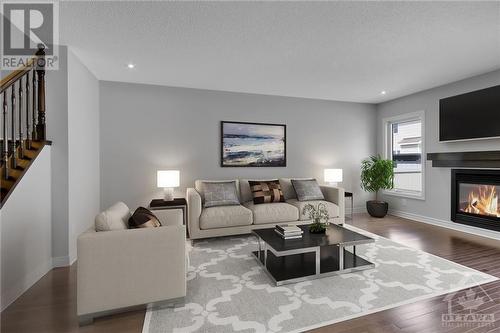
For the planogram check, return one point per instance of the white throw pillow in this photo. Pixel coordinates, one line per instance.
(114, 218)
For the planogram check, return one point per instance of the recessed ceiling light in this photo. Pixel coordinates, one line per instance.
(383, 92)
(130, 66)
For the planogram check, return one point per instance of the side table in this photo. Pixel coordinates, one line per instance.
(177, 203)
(350, 195)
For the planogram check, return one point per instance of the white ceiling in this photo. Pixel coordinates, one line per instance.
(347, 51)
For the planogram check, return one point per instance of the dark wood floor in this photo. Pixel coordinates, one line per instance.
(50, 305)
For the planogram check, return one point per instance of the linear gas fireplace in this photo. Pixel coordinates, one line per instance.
(475, 198)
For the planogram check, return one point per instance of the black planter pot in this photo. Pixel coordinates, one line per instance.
(377, 208)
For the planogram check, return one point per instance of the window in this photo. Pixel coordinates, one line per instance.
(405, 145)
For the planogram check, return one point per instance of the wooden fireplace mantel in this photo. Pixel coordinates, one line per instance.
(471, 159)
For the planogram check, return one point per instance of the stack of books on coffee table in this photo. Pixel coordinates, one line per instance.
(288, 231)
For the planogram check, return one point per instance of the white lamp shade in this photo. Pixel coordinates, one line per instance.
(333, 175)
(167, 178)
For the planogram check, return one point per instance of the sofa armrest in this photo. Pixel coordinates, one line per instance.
(194, 204)
(337, 196)
(169, 216)
(123, 268)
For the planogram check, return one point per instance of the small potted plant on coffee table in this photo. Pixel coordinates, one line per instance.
(319, 215)
(377, 174)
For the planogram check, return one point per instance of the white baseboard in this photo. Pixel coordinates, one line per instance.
(13, 292)
(447, 224)
(60, 262)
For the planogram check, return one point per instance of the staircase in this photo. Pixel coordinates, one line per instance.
(22, 121)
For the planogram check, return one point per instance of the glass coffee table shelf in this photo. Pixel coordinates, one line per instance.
(311, 257)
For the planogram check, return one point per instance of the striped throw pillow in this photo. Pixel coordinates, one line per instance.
(266, 191)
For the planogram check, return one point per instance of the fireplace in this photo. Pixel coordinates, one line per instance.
(475, 198)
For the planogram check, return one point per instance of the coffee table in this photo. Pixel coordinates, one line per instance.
(311, 257)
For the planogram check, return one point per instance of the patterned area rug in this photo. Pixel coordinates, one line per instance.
(227, 290)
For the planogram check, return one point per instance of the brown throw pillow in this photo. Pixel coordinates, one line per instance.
(266, 191)
(143, 218)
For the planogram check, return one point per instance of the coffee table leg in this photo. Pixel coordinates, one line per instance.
(265, 255)
(260, 248)
(318, 262)
(341, 257)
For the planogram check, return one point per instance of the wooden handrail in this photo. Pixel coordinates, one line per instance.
(9, 80)
(37, 62)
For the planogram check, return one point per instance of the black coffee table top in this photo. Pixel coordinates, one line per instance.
(334, 235)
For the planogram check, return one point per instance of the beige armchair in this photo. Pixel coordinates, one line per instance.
(122, 270)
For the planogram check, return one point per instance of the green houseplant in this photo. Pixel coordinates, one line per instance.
(319, 215)
(377, 174)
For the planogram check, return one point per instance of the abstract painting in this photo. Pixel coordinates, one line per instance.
(253, 144)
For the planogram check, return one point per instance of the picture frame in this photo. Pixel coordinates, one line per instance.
(249, 144)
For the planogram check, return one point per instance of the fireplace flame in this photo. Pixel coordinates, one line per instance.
(483, 200)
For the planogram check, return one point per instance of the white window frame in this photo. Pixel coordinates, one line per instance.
(387, 147)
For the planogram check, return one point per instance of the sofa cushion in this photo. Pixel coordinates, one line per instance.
(266, 191)
(114, 218)
(307, 189)
(225, 216)
(333, 209)
(272, 212)
(198, 185)
(220, 194)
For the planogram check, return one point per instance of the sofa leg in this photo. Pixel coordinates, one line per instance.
(85, 320)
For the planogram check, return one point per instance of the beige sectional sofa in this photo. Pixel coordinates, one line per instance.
(241, 219)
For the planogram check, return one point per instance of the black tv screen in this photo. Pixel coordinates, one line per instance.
(473, 115)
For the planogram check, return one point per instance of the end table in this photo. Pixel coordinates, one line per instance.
(350, 195)
(177, 203)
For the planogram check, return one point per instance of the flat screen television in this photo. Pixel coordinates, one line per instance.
(470, 116)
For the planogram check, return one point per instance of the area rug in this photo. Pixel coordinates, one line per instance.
(227, 290)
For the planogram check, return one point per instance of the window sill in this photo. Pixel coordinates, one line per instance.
(405, 194)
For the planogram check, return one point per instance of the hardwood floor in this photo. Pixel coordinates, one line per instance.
(50, 305)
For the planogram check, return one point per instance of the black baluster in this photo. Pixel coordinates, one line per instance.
(28, 141)
(40, 71)
(33, 108)
(5, 148)
(13, 160)
(20, 125)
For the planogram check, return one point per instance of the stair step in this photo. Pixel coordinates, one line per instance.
(7, 185)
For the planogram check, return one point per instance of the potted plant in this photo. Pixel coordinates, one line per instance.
(319, 215)
(377, 174)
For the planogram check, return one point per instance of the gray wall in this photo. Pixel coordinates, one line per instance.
(83, 142)
(145, 128)
(57, 131)
(436, 206)
(73, 128)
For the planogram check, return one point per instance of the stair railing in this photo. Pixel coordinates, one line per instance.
(15, 88)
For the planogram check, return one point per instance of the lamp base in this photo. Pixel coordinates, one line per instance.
(168, 194)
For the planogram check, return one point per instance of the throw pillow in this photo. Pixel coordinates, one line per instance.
(113, 218)
(143, 218)
(307, 189)
(266, 191)
(220, 194)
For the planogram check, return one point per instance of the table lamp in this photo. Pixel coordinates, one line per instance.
(333, 176)
(168, 179)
